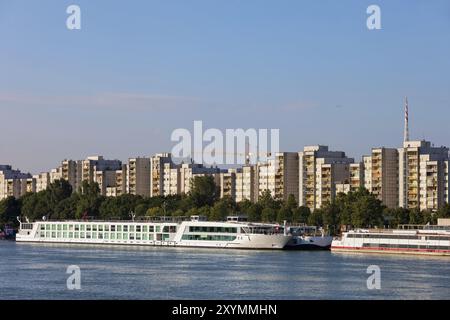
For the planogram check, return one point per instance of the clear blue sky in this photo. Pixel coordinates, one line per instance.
(139, 69)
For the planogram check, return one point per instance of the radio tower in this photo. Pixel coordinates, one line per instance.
(406, 131)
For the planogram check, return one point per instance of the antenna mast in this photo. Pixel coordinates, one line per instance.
(406, 130)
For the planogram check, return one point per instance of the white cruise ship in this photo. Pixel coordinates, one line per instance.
(193, 233)
(408, 239)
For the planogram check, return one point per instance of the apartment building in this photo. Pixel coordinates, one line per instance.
(356, 180)
(171, 179)
(320, 170)
(42, 181)
(246, 183)
(381, 175)
(188, 171)
(423, 175)
(14, 183)
(279, 176)
(228, 184)
(157, 171)
(138, 176)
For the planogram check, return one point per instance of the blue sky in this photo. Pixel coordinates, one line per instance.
(137, 70)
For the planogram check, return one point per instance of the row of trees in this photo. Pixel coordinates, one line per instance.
(355, 209)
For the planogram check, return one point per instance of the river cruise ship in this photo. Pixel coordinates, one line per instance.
(308, 238)
(407, 239)
(191, 233)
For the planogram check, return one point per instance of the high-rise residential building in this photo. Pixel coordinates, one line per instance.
(228, 184)
(356, 179)
(138, 176)
(71, 171)
(42, 181)
(171, 179)
(381, 175)
(423, 175)
(188, 171)
(279, 176)
(120, 186)
(246, 183)
(92, 164)
(157, 167)
(14, 183)
(320, 170)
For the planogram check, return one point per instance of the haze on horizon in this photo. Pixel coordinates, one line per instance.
(136, 71)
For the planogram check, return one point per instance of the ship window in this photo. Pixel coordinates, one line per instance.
(173, 229)
(125, 236)
(144, 236)
(88, 235)
(82, 227)
(138, 236)
(113, 236)
(70, 227)
(158, 228)
(77, 227)
(100, 235)
(106, 235)
(82, 235)
(42, 234)
(144, 228)
(53, 234)
(138, 228)
(94, 227)
(165, 236)
(113, 228)
(131, 236)
(119, 236)
(166, 229)
(58, 234)
(131, 228)
(119, 228)
(64, 227)
(158, 237)
(42, 227)
(125, 228)
(151, 229)
(88, 227)
(53, 226)
(100, 227)
(47, 234)
(48, 227)
(106, 227)
(71, 235)
(59, 227)
(150, 237)
(64, 234)
(94, 235)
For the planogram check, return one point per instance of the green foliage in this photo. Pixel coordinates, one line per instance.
(203, 191)
(9, 210)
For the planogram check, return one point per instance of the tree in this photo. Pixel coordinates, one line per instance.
(268, 214)
(203, 191)
(254, 212)
(330, 217)
(301, 214)
(444, 212)
(316, 218)
(9, 210)
(284, 213)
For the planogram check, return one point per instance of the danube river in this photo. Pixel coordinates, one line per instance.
(38, 271)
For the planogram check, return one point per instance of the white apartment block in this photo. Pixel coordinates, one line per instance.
(381, 175)
(228, 184)
(14, 183)
(188, 171)
(138, 176)
(356, 179)
(279, 176)
(423, 175)
(157, 171)
(42, 181)
(245, 184)
(320, 170)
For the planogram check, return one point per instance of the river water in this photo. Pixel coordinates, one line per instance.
(38, 271)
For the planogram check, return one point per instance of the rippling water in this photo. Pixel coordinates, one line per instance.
(38, 271)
